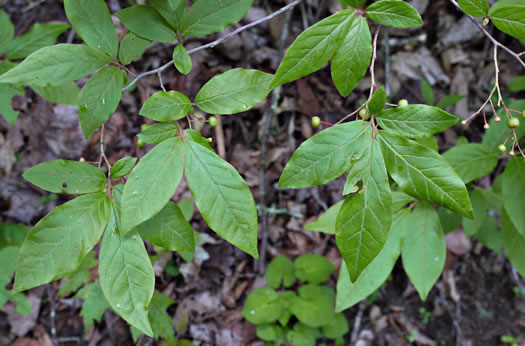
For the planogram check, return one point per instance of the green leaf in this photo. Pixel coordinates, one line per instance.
(122, 167)
(449, 101)
(424, 250)
(424, 174)
(166, 106)
(378, 101)
(209, 16)
(490, 235)
(186, 207)
(92, 21)
(160, 319)
(94, 304)
(449, 220)
(131, 48)
(280, 269)
(354, 3)
(60, 94)
(269, 332)
(510, 20)
(352, 58)
(326, 222)
(517, 84)
(313, 268)
(479, 207)
(303, 335)
(513, 243)
(348, 293)
(472, 161)
(498, 131)
(169, 229)
(416, 120)
(62, 176)
(144, 21)
(394, 13)
(99, 98)
(7, 29)
(222, 196)
(152, 183)
(58, 243)
(80, 276)
(126, 275)
(365, 218)
(428, 141)
(476, 8)
(314, 306)
(40, 35)
(158, 132)
(56, 65)
(326, 155)
(262, 306)
(7, 92)
(12, 234)
(171, 10)
(337, 329)
(428, 92)
(182, 59)
(7, 256)
(513, 187)
(23, 306)
(400, 200)
(313, 48)
(234, 91)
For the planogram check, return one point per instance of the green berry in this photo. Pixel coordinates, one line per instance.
(212, 121)
(512, 153)
(485, 21)
(402, 103)
(513, 123)
(364, 114)
(140, 143)
(316, 122)
(502, 148)
(523, 114)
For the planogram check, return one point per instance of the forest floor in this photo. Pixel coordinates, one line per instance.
(475, 302)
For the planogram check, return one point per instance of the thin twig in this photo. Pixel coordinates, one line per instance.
(52, 314)
(214, 43)
(517, 56)
(357, 323)
(268, 116)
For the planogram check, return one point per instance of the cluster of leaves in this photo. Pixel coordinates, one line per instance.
(299, 318)
(11, 238)
(391, 160)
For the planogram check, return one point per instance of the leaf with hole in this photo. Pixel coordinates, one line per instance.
(132, 47)
(63, 176)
